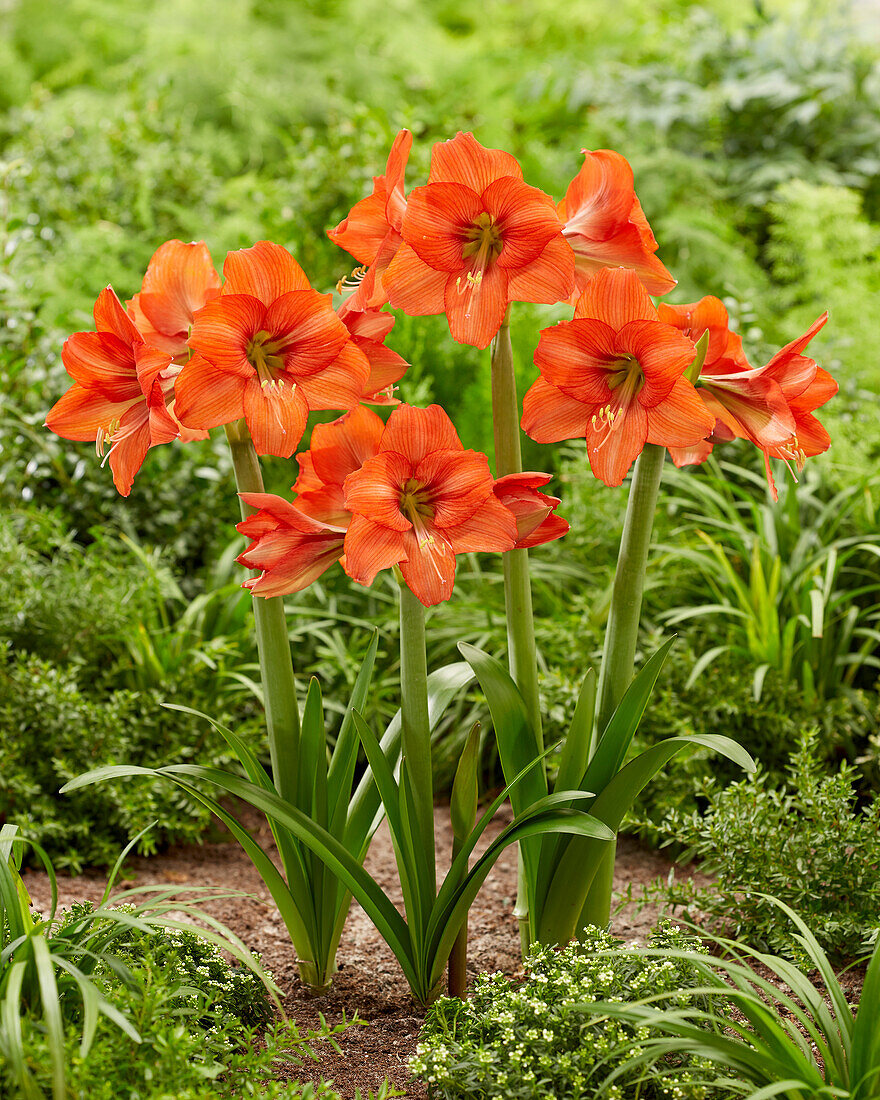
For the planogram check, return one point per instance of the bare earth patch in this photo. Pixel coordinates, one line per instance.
(369, 981)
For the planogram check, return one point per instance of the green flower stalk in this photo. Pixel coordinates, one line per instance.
(522, 659)
(273, 644)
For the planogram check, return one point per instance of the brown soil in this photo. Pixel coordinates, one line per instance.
(369, 981)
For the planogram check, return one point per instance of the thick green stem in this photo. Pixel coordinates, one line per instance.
(622, 632)
(273, 643)
(415, 726)
(517, 586)
(522, 658)
(621, 639)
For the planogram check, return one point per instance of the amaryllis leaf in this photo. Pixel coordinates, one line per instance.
(544, 819)
(578, 741)
(578, 862)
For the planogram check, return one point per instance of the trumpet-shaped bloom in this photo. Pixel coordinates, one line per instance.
(605, 225)
(371, 232)
(771, 406)
(476, 238)
(747, 403)
(615, 376)
(289, 547)
(268, 349)
(368, 330)
(420, 501)
(180, 279)
(534, 511)
(120, 392)
(806, 387)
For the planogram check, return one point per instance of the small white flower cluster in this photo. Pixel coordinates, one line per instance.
(525, 1040)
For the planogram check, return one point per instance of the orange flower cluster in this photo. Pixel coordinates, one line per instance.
(405, 493)
(190, 352)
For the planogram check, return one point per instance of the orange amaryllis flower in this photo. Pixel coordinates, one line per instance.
(615, 376)
(806, 387)
(534, 511)
(371, 232)
(747, 403)
(180, 279)
(420, 501)
(368, 329)
(476, 238)
(119, 394)
(289, 547)
(268, 349)
(605, 225)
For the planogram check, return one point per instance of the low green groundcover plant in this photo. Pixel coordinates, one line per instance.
(206, 1029)
(807, 841)
(523, 1040)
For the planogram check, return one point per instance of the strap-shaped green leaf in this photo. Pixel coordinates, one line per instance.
(559, 907)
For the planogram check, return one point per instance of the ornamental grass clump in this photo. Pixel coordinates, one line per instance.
(521, 1040)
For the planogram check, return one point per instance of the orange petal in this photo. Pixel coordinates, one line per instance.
(224, 328)
(327, 505)
(180, 279)
(205, 397)
(110, 317)
(386, 368)
(375, 489)
(463, 159)
(307, 479)
(101, 361)
(361, 234)
(174, 345)
(340, 384)
(81, 411)
(305, 559)
(276, 418)
(264, 271)
(599, 199)
(340, 448)
(549, 415)
(616, 296)
(691, 456)
(418, 432)
(395, 168)
(491, 528)
(524, 216)
(681, 420)
(548, 279)
(436, 220)
(611, 453)
(414, 286)
(367, 324)
(150, 363)
(475, 312)
(429, 568)
(626, 249)
(127, 456)
(578, 357)
(369, 547)
(307, 329)
(663, 353)
(459, 481)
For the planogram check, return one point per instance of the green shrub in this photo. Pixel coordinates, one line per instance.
(206, 1029)
(52, 731)
(530, 1039)
(807, 842)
